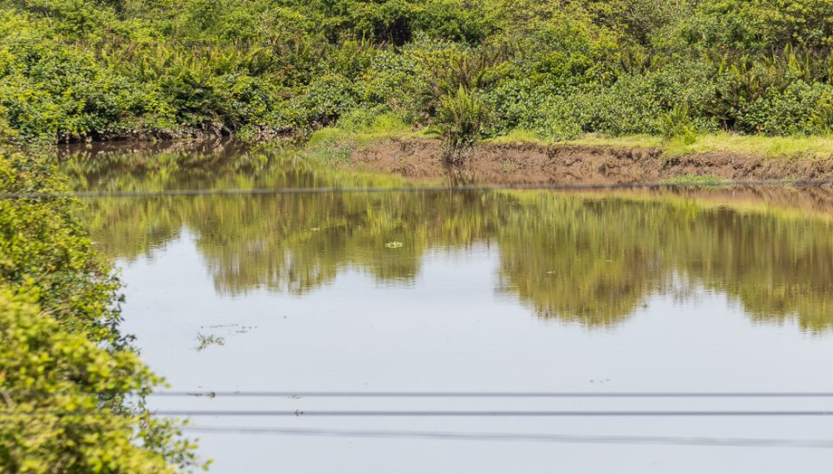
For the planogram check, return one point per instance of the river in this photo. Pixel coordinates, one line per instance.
(678, 290)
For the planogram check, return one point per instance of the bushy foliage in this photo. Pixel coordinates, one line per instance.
(799, 109)
(64, 401)
(94, 69)
(71, 387)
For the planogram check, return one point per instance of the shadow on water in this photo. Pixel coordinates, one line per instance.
(590, 258)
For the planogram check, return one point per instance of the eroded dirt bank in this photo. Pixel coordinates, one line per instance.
(520, 163)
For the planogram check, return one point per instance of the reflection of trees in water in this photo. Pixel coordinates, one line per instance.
(574, 260)
(595, 260)
(297, 243)
(582, 259)
(293, 243)
(776, 268)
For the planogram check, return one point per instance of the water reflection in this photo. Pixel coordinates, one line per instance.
(590, 258)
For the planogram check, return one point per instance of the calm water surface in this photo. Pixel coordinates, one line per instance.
(697, 290)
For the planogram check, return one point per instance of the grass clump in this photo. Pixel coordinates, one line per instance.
(788, 147)
(373, 124)
(696, 180)
(520, 136)
(357, 129)
(755, 146)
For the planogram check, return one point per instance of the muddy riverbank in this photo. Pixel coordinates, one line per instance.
(527, 163)
(493, 162)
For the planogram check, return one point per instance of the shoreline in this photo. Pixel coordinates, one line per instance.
(590, 160)
(506, 162)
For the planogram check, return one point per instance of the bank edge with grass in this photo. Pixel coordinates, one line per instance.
(522, 157)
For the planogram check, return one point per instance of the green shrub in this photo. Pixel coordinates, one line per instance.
(798, 110)
(676, 123)
(551, 114)
(455, 20)
(90, 69)
(65, 405)
(71, 387)
(326, 99)
(462, 120)
(372, 120)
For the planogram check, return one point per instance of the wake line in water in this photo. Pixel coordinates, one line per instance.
(522, 437)
(494, 413)
(347, 394)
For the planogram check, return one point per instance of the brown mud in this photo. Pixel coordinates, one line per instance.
(524, 163)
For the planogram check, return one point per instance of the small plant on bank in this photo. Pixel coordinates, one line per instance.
(695, 180)
(676, 125)
(461, 119)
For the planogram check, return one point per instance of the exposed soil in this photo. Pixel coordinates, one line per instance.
(520, 163)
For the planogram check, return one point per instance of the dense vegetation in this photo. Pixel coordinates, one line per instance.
(71, 388)
(79, 69)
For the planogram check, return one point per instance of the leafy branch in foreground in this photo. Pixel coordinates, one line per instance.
(71, 407)
(71, 386)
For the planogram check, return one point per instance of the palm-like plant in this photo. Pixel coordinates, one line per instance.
(460, 120)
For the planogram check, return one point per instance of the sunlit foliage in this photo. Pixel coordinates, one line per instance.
(71, 387)
(86, 69)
